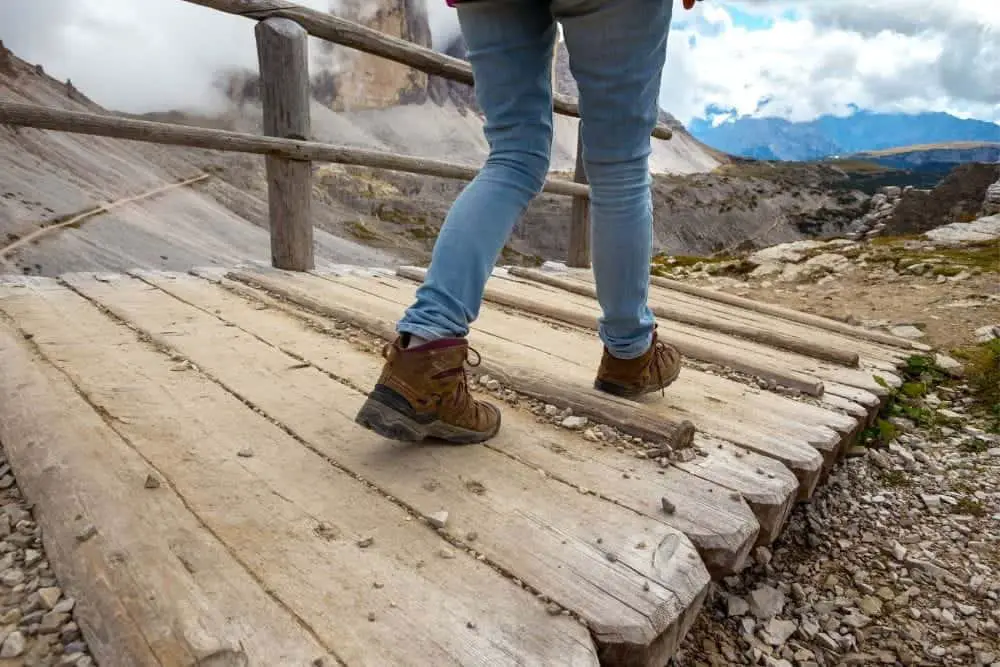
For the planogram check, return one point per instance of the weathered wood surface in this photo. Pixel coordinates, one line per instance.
(719, 523)
(347, 33)
(532, 379)
(106, 125)
(579, 225)
(789, 314)
(153, 585)
(697, 394)
(558, 307)
(768, 336)
(283, 60)
(594, 557)
(294, 520)
(514, 343)
(770, 491)
(730, 351)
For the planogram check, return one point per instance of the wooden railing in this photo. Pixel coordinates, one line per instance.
(282, 35)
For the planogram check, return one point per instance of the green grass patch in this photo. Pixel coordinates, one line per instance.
(968, 506)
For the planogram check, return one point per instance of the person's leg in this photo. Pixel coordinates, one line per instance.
(617, 50)
(510, 49)
(422, 391)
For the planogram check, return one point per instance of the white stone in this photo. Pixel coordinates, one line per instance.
(983, 229)
(906, 331)
(785, 252)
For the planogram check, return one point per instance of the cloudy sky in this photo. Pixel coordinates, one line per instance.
(788, 58)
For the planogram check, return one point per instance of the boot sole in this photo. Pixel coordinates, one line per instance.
(384, 413)
(625, 392)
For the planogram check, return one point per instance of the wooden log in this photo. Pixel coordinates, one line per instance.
(534, 382)
(506, 502)
(117, 127)
(283, 57)
(788, 313)
(287, 512)
(153, 585)
(719, 524)
(792, 432)
(347, 33)
(773, 338)
(579, 226)
(770, 495)
(687, 346)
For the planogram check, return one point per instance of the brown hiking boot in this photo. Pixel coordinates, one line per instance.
(423, 393)
(654, 370)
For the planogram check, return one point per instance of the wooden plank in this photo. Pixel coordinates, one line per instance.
(153, 585)
(719, 524)
(788, 314)
(822, 429)
(770, 491)
(579, 226)
(347, 33)
(591, 556)
(532, 380)
(799, 370)
(108, 125)
(766, 336)
(585, 315)
(292, 518)
(283, 58)
(817, 426)
(496, 336)
(871, 354)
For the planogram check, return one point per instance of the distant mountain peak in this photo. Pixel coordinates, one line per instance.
(861, 130)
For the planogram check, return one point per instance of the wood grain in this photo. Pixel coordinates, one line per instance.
(579, 227)
(536, 381)
(109, 125)
(591, 556)
(760, 335)
(153, 585)
(768, 487)
(722, 527)
(502, 292)
(283, 58)
(788, 313)
(292, 517)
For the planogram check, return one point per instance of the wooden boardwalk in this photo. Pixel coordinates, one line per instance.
(188, 441)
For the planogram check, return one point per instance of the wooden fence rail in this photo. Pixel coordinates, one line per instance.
(347, 33)
(154, 132)
(282, 49)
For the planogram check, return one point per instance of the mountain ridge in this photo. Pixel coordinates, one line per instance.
(774, 138)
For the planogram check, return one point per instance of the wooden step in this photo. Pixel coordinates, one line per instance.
(768, 486)
(294, 519)
(636, 582)
(153, 584)
(716, 519)
(767, 424)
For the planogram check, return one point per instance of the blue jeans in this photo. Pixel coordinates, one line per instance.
(617, 50)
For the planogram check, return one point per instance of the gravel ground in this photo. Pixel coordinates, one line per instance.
(895, 561)
(36, 625)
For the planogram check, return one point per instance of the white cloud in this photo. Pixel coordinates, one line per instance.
(823, 56)
(815, 56)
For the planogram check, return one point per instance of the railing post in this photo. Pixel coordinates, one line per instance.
(579, 226)
(282, 54)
